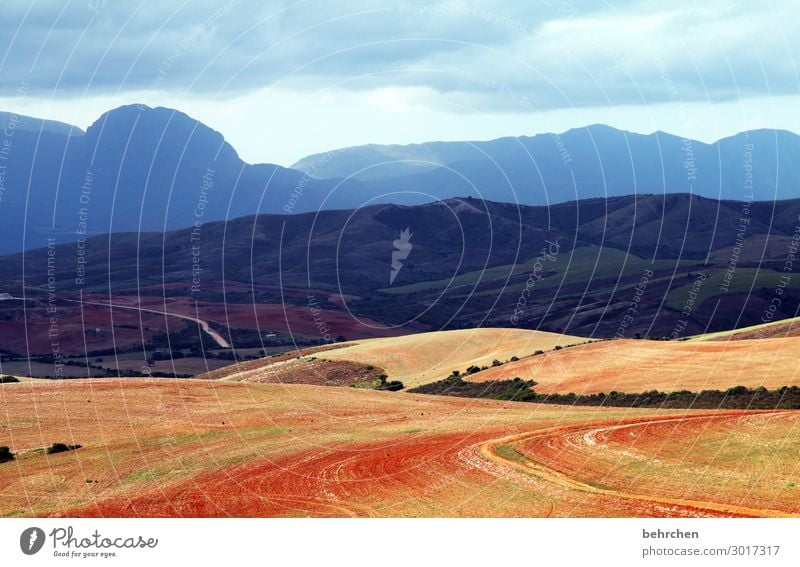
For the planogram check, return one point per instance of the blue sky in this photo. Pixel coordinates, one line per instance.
(285, 79)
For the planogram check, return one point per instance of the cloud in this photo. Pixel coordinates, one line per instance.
(458, 56)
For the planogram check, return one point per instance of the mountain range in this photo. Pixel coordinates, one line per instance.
(156, 169)
(684, 264)
(594, 161)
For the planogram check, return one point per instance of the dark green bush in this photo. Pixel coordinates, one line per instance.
(8, 379)
(6, 454)
(61, 448)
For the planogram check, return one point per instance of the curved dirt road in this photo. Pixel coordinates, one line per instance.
(219, 339)
(585, 434)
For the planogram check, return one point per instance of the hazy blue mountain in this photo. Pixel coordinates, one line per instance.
(20, 122)
(139, 169)
(155, 169)
(594, 161)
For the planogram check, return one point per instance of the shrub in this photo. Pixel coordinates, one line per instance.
(6, 454)
(513, 359)
(496, 362)
(61, 448)
(8, 379)
(391, 385)
(473, 369)
(538, 352)
(380, 383)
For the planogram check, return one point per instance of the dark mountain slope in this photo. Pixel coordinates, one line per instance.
(577, 267)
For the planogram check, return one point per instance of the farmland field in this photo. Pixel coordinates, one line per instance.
(426, 357)
(210, 448)
(636, 365)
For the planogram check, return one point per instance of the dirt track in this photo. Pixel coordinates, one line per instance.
(575, 436)
(163, 448)
(219, 339)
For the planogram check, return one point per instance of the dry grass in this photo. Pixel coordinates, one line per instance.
(742, 460)
(210, 448)
(427, 357)
(774, 329)
(640, 365)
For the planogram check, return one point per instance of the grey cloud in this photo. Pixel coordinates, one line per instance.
(494, 56)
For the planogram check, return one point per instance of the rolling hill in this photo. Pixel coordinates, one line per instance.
(413, 359)
(669, 366)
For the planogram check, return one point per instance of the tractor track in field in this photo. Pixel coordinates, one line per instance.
(586, 433)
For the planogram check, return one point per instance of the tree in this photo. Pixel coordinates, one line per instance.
(6, 454)
(61, 448)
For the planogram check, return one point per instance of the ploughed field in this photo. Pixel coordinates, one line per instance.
(216, 448)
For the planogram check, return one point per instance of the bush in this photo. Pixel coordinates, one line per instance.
(515, 389)
(380, 383)
(391, 386)
(6, 454)
(496, 362)
(8, 379)
(513, 359)
(61, 448)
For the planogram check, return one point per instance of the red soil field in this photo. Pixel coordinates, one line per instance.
(91, 327)
(263, 316)
(209, 448)
(744, 463)
(78, 331)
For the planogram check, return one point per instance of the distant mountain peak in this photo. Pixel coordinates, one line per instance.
(36, 125)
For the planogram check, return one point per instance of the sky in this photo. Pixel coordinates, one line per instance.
(281, 80)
